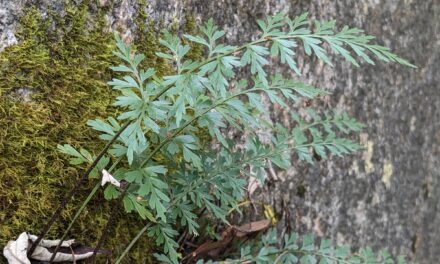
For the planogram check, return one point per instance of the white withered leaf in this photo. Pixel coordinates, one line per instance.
(107, 177)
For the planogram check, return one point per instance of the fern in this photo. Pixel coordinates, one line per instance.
(172, 176)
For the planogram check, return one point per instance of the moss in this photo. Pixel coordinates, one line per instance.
(190, 27)
(51, 83)
(145, 38)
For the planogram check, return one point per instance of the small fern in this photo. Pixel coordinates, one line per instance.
(269, 249)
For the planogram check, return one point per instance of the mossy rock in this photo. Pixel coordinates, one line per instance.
(51, 83)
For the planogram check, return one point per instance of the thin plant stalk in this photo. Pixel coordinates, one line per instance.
(107, 227)
(72, 191)
(80, 210)
(132, 242)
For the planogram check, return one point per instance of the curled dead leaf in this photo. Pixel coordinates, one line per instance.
(16, 250)
(252, 227)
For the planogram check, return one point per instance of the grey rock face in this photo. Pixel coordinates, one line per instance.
(388, 195)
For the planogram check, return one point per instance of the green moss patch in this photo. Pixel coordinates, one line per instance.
(51, 83)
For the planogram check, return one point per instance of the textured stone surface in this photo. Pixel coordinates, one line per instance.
(386, 196)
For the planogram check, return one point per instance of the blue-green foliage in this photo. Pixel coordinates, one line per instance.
(172, 174)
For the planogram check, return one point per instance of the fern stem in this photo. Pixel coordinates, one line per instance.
(80, 210)
(133, 241)
(72, 191)
(108, 226)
